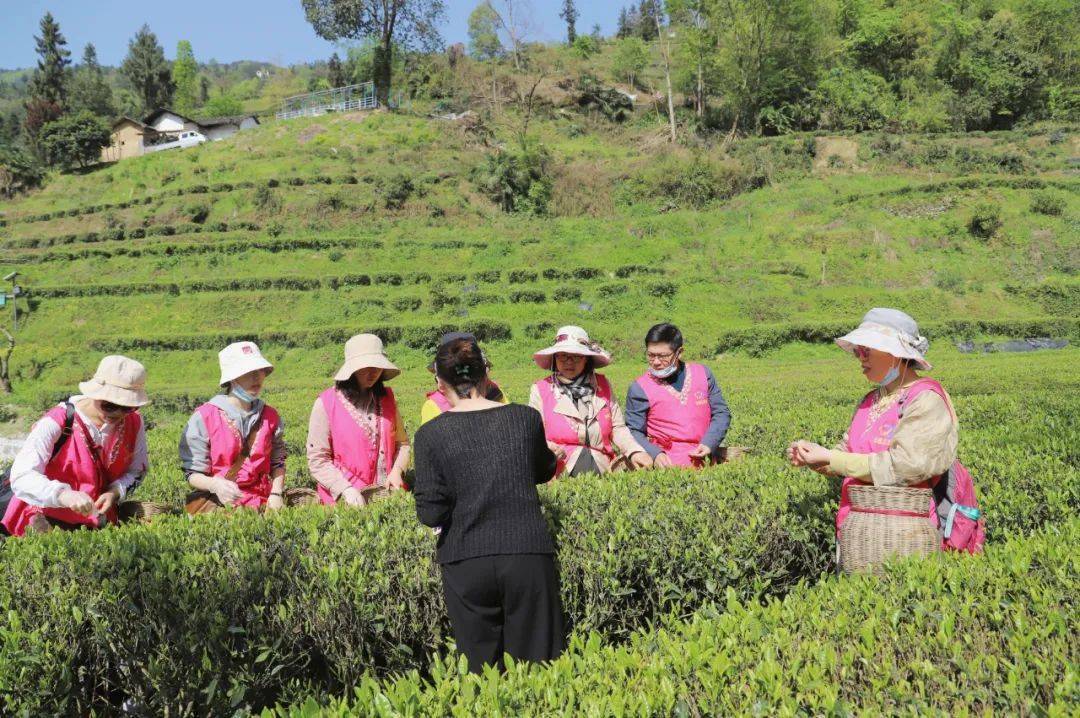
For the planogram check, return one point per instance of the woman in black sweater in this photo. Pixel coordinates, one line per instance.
(477, 466)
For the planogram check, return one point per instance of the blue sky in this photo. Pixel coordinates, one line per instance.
(226, 30)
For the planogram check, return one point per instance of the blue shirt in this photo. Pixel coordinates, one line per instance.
(636, 410)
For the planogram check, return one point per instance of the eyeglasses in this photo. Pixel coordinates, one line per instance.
(861, 352)
(110, 408)
(660, 357)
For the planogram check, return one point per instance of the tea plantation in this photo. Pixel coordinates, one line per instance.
(710, 593)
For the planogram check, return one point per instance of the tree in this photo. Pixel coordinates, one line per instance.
(631, 57)
(148, 71)
(484, 41)
(75, 139)
(624, 29)
(185, 78)
(222, 106)
(569, 13)
(49, 81)
(18, 171)
(512, 17)
(204, 90)
(335, 72)
(406, 23)
(649, 19)
(39, 112)
(89, 88)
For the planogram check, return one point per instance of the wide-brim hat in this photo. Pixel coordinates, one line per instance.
(365, 351)
(239, 358)
(891, 331)
(446, 339)
(572, 340)
(119, 380)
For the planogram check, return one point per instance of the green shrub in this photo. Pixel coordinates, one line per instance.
(985, 220)
(203, 617)
(696, 183)
(516, 181)
(396, 190)
(522, 276)
(993, 635)
(566, 294)
(1047, 203)
(527, 296)
(198, 213)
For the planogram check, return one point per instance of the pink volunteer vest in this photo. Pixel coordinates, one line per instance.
(225, 444)
(677, 421)
(440, 400)
(75, 466)
(558, 428)
(872, 437)
(354, 453)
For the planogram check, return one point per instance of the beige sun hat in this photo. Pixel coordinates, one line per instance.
(118, 380)
(572, 340)
(239, 358)
(891, 331)
(364, 351)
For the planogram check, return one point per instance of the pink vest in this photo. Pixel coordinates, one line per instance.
(561, 431)
(76, 466)
(225, 444)
(356, 455)
(440, 400)
(677, 421)
(871, 437)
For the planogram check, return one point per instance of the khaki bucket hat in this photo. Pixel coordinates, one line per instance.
(119, 380)
(572, 340)
(362, 352)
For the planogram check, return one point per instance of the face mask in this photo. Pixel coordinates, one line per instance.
(240, 393)
(890, 376)
(666, 371)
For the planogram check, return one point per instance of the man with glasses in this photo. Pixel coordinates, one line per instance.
(676, 410)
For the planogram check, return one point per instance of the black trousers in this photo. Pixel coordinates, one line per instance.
(505, 604)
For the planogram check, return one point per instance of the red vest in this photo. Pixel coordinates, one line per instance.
(225, 444)
(677, 420)
(83, 466)
(356, 454)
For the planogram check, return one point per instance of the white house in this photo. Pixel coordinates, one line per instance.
(166, 129)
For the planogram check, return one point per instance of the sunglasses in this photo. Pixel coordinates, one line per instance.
(110, 408)
(861, 352)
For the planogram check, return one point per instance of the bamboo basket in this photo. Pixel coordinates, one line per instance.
(867, 538)
(299, 496)
(142, 511)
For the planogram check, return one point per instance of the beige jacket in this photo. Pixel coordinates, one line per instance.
(622, 440)
(923, 446)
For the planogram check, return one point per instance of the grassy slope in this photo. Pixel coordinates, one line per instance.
(754, 259)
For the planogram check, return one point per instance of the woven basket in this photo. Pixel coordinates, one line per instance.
(299, 496)
(142, 511)
(868, 539)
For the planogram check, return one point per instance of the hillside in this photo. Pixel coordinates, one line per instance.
(300, 234)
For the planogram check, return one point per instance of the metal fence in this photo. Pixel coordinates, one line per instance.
(339, 99)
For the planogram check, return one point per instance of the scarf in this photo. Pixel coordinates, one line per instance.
(578, 388)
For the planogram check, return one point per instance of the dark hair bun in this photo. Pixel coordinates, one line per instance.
(460, 364)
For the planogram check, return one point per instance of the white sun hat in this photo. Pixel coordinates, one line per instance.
(572, 340)
(239, 358)
(118, 380)
(891, 331)
(365, 351)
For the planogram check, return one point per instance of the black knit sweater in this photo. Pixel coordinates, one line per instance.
(476, 476)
